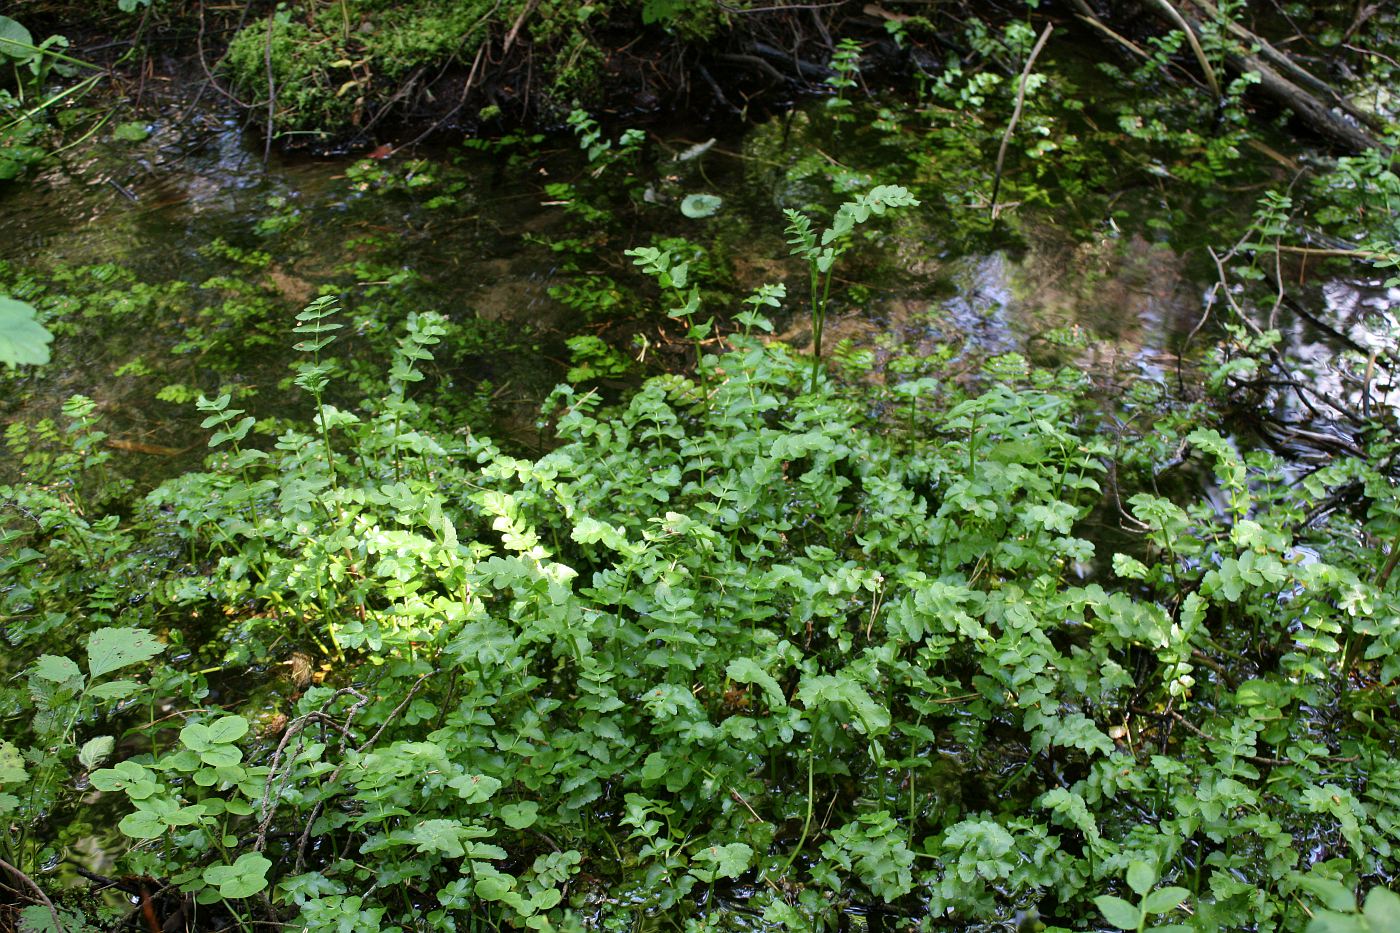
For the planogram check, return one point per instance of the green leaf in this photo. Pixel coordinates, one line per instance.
(130, 132)
(95, 751)
(142, 824)
(114, 690)
(493, 887)
(243, 878)
(1383, 909)
(195, 737)
(475, 788)
(520, 815)
(228, 729)
(729, 861)
(749, 671)
(111, 649)
(1118, 912)
(1164, 900)
(11, 765)
(696, 206)
(1141, 877)
(125, 776)
(1333, 894)
(441, 836)
(16, 43)
(59, 670)
(23, 340)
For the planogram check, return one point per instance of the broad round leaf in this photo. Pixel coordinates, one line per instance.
(243, 878)
(142, 824)
(23, 340)
(520, 815)
(228, 729)
(701, 205)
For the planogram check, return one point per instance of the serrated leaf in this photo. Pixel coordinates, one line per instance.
(729, 861)
(114, 690)
(749, 671)
(12, 770)
(23, 340)
(57, 669)
(96, 750)
(111, 649)
(441, 836)
(1118, 911)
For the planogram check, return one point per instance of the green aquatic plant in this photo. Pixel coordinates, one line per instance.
(842, 642)
(821, 251)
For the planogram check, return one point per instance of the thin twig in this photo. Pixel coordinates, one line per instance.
(271, 90)
(330, 781)
(38, 891)
(1196, 49)
(1016, 113)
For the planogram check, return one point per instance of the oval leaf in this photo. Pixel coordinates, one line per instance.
(16, 43)
(1165, 899)
(95, 751)
(228, 729)
(1118, 912)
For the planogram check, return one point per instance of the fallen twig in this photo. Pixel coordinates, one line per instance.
(1016, 113)
(38, 892)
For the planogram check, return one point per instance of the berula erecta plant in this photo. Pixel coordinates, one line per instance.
(750, 644)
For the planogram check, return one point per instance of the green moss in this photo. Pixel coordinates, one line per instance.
(303, 67)
(344, 63)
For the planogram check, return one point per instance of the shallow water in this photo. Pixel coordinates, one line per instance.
(234, 246)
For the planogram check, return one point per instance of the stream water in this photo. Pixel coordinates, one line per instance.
(182, 259)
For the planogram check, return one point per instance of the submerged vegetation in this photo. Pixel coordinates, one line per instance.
(911, 630)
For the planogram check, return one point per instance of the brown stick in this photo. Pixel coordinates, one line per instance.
(1016, 113)
(1190, 31)
(1315, 113)
(38, 892)
(1286, 64)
